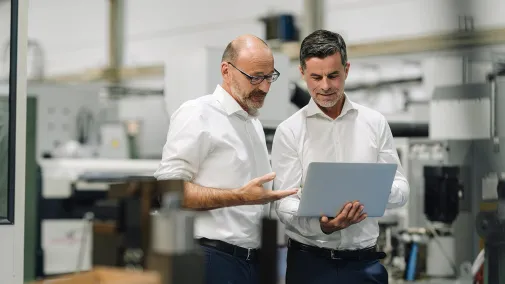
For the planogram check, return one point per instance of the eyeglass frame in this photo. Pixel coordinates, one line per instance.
(251, 78)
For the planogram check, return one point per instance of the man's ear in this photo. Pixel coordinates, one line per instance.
(224, 69)
(301, 69)
(347, 66)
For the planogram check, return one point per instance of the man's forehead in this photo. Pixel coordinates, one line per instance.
(323, 65)
(257, 66)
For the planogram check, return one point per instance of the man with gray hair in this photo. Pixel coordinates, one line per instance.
(331, 128)
(217, 145)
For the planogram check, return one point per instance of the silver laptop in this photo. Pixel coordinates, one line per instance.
(329, 186)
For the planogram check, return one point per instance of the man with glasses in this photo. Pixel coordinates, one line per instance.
(217, 145)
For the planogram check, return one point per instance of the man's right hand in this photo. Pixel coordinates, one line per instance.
(351, 213)
(254, 192)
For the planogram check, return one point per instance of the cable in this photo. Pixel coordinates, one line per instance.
(87, 229)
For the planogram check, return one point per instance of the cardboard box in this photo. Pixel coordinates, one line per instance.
(105, 275)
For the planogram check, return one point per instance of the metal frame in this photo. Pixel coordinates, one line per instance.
(9, 219)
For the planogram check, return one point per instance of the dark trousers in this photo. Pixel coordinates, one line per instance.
(307, 268)
(223, 268)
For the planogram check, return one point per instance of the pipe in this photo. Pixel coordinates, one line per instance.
(313, 16)
(116, 36)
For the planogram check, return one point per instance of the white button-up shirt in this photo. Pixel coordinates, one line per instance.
(359, 134)
(214, 143)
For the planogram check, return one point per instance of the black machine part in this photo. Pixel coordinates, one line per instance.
(442, 191)
(299, 96)
(501, 200)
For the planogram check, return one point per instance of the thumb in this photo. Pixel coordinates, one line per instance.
(266, 178)
(279, 194)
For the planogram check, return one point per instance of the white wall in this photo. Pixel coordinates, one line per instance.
(73, 33)
(369, 20)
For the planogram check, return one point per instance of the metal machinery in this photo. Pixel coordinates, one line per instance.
(71, 194)
(440, 218)
(469, 119)
(56, 197)
(52, 119)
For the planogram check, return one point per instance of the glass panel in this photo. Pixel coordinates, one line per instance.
(8, 49)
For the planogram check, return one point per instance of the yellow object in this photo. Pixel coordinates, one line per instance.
(105, 275)
(115, 143)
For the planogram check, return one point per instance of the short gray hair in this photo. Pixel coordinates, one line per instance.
(321, 44)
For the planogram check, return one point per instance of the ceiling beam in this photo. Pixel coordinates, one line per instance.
(441, 42)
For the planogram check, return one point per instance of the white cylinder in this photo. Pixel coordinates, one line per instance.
(172, 232)
(438, 252)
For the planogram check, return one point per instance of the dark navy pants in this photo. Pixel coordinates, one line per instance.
(306, 268)
(223, 268)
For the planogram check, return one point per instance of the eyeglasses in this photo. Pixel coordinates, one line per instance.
(255, 80)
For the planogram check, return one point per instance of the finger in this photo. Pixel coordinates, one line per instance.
(266, 178)
(343, 215)
(346, 210)
(354, 210)
(342, 208)
(279, 194)
(361, 218)
(324, 219)
(358, 214)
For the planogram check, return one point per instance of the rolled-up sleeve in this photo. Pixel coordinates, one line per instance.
(188, 142)
(388, 154)
(288, 168)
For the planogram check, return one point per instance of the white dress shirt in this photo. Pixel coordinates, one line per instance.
(359, 134)
(213, 142)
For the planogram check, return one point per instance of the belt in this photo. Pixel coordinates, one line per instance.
(365, 254)
(247, 254)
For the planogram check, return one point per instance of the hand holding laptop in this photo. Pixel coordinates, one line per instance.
(351, 213)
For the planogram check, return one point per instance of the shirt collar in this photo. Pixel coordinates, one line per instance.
(229, 104)
(313, 108)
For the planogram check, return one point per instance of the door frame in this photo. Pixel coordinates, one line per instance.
(12, 98)
(20, 145)
(12, 233)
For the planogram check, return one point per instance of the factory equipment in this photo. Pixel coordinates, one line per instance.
(69, 189)
(137, 119)
(66, 113)
(438, 212)
(468, 117)
(442, 192)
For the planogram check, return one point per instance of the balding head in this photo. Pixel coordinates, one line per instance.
(244, 44)
(246, 59)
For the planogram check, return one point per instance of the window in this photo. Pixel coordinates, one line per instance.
(8, 82)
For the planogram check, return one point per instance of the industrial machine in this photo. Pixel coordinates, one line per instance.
(71, 189)
(427, 220)
(470, 119)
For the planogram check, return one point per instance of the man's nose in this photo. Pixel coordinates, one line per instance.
(265, 86)
(325, 86)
